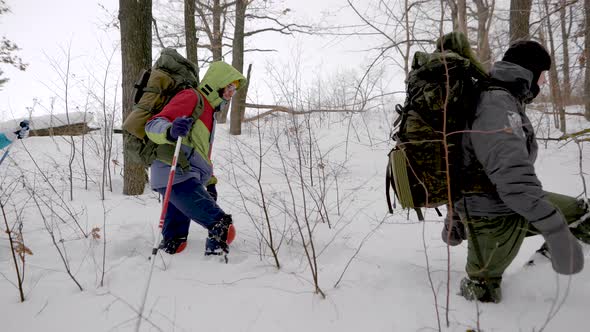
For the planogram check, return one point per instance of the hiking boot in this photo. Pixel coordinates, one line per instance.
(173, 246)
(217, 240)
(480, 290)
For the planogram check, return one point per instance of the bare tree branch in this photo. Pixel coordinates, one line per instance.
(158, 33)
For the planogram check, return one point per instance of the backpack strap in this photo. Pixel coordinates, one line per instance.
(419, 214)
(199, 106)
(402, 116)
(183, 160)
(438, 212)
(388, 185)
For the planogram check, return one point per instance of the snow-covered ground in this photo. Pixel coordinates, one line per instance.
(385, 266)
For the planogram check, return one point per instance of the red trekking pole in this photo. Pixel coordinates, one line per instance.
(158, 236)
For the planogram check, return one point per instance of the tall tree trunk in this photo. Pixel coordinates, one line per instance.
(520, 13)
(238, 104)
(566, 85)
(462, 16)
(587, 60)
(454, 14)
(136, 53)
(217, 40)
(211, 13)
(557, 101)
(190, 31)
(408, 41)
(485, 13)
(242, 110)
(217, 50)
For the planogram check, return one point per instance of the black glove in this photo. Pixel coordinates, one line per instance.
(180, 127)
(23, 131)
(566, 252)
(457, 234)
(212, 191)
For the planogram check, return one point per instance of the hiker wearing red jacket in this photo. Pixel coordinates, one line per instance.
(190, 114)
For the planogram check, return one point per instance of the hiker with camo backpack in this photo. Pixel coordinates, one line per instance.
(502, 142)
(190, 114)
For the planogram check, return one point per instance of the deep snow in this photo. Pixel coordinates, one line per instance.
(385, 288)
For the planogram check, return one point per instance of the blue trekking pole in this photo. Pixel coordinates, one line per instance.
(4, 155)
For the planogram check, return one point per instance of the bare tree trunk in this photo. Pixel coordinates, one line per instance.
(211, 13)
(566, 85)
(520, 13)
(408, 47)
(557, 101)
(454, 14)
(485, 14)
(190, 32)
(216, 41)
(238, 112)
(587, 61)
(136, 52)
(217, 50)
(462, 16)
(238, 104)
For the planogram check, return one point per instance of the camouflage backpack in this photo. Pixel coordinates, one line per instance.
(155, 87)
(441, 97)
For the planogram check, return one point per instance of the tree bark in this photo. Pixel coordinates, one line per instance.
(135, 18)
(566, 85)
(237, 113)
(485, 15)
(454, 14)
(238, 104)
(587, 60)
(462, 16)
(520, 13)
(554, 85)
(190, 31)
(217, 40)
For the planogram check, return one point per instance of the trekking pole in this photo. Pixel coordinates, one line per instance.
(159, 233)
(4, 155)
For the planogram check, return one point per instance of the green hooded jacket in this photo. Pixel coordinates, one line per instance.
(218, 76)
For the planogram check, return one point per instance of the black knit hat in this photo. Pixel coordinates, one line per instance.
(530, 55)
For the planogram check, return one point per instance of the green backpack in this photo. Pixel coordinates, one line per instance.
(441, 97)
(155, 87)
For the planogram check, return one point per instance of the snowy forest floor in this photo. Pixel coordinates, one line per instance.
(379, 272)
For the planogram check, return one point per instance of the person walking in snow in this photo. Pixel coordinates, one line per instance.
(8, 136)
(500, 150)
(190, 114)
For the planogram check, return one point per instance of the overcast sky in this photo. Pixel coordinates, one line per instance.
(44, 30)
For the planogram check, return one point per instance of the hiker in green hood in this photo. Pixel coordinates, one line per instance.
(190, 114)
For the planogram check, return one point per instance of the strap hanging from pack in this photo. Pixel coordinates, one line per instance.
(419, 213)
(388, 184)
(402, 115)
(438, 212)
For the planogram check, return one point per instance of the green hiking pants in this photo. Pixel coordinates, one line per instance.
(494, 242)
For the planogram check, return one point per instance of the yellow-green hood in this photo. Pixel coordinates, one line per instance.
(218, 76)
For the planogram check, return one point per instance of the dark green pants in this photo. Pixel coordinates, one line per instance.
(494, 242)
